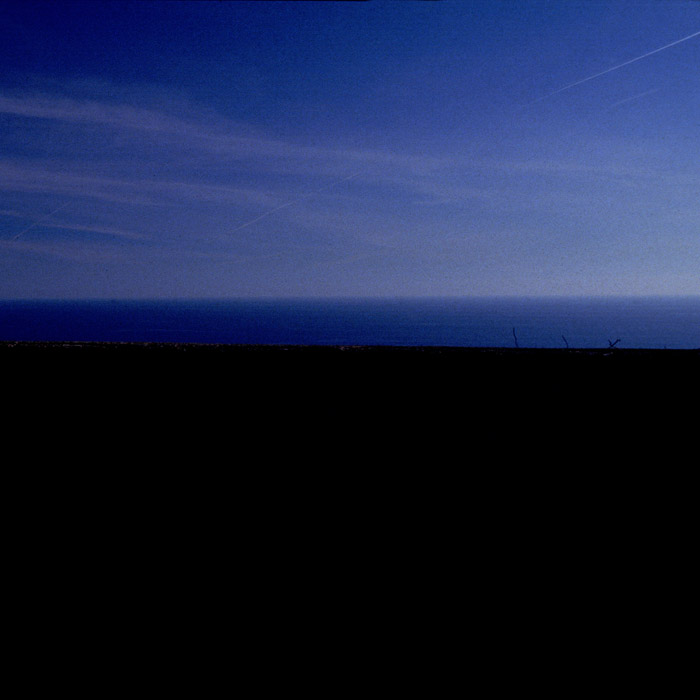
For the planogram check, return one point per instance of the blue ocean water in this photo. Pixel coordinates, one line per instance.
(538, 323)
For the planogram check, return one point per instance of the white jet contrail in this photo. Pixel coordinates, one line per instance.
(36, 223)
(634, 97)
(609, 70)
(294, 201)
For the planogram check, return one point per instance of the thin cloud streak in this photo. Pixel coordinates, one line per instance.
(39, 221)
(102, 230)
(634, 97)
(62, 250)
(295, 201)
(215, 135)
(37, 177)
(67, 226)
(621, 65)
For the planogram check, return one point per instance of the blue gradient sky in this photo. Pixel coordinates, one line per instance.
(235, 149)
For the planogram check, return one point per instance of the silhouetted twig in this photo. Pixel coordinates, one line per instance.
(611, 344)
(565, 342)
(516, 339)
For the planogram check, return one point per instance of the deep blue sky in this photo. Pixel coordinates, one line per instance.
(235, 149)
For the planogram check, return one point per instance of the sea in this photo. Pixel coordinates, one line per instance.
(659, 322)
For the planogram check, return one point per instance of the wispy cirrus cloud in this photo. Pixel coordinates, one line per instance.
(53, 178)
(73, 251)
(212, 178)
(210, 147)
(199, 176)
(208, 133)
(132, 157)
(52, 222)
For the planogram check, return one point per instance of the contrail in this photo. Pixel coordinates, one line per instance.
(36, 223)
(294, 201)
(609, 70)
(634, 97)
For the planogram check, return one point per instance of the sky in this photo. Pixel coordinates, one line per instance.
(391, 148)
